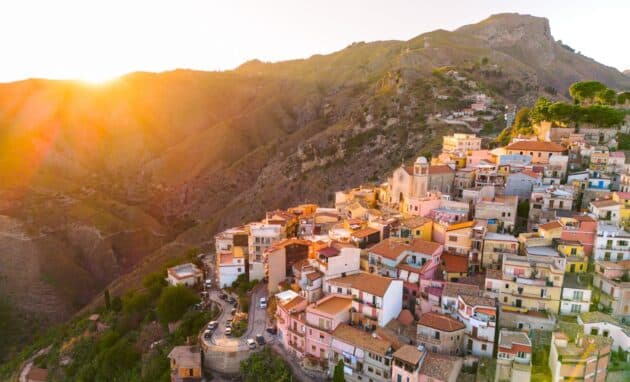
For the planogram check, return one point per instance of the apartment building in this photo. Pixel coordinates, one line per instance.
(365, 356)
(585, 359)
(479, 315)
(261, 237)
(581, 228)
(611, 278)
(612, 243)
(495, 246)
(279, 258)
(385, 256)
(514, 357)
(322, 318)
(532, 282)
(440, 333)
(576, 294)
(573, 251)
(460, 143)
(539, 151)
(376, 300)
(606, 209)
(336, 260)
(231, 248)
(291, 322)
(499, 213)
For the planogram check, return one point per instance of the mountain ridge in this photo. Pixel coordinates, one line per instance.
(180, 154)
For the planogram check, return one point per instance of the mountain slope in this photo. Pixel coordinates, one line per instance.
(99, 180)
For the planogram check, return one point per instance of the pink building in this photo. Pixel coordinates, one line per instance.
(475, 157)
(322, 318)
(291, 321)
(582, 228)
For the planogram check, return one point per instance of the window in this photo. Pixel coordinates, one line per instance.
(575, 308)
(452, 238)
(238, 270)
(484, 347)
(190, 372)
(574, 251)
(437, 335)
(594, 331)
(520, 354)
(313, 348)
(578, 295)
(605, 333)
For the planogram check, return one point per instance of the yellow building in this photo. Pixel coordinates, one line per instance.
(573, 251)
(417, 227)
(532, 282)
(624, 199)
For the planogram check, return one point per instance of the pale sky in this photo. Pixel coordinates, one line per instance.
(96, 40)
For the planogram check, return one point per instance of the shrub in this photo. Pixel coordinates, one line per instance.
(174, 301)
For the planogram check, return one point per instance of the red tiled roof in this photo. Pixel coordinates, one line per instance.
(550, 225)
(455, 263)
(440, 169)
(440, 322)
(536, 146)
(531, 173)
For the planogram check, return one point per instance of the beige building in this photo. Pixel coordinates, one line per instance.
(532, 282)
(499, 212)
(440, 333)
(495, 246)
(540, 151)
(460, 143)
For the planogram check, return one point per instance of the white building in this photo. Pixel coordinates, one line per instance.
(261, 237)
(184, 274)
(602, 324)
(479, 314)
(336, 261)
(376, 298)
(460, 143)
(612, 243)
(606, 209)
(231, 248)
(514, 357)
(576, 294)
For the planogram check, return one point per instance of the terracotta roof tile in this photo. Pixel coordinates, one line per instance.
(440, 169)
(536, 146)
(366, 282)
(440, 322)
(441, 367)
(364, 232)
(455, 263)
(408, 354)
(605, 203)
(550, 225)
(392, 248)
(361, 339)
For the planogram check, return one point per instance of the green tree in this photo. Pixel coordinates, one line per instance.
(606, 97)
(623, 97)
(338, 373)
(108, 301)
(584, 92)
(540, 111)
(154, 283)
(264, 366)
(117, 304)
(174, 301)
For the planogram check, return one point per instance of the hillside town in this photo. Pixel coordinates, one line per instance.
(518, 254)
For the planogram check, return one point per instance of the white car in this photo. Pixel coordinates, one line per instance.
(208, 283)
(263, 303)
(251, 343)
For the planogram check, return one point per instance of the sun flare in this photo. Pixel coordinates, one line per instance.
(98, 78)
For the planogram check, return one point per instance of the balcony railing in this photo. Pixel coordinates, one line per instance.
(296, 331)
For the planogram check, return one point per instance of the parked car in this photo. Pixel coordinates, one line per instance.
(208, 283)
(228, 324)
(233, 311)
(207, 334)
(251, 343)
(231, 300)
(260, 340)
(228, 331)
(272, 330)
(223, 296)
(212, 325)
(263, 303)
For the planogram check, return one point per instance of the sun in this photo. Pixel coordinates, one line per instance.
(98, 77)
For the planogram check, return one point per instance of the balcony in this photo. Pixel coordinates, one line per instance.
(296, 331)
(297, 347)
(517, 293)
(428, 339)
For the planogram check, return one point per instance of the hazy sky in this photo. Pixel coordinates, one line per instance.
(100, 39)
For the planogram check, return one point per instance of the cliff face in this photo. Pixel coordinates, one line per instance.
(529, 40)
(95, 180)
